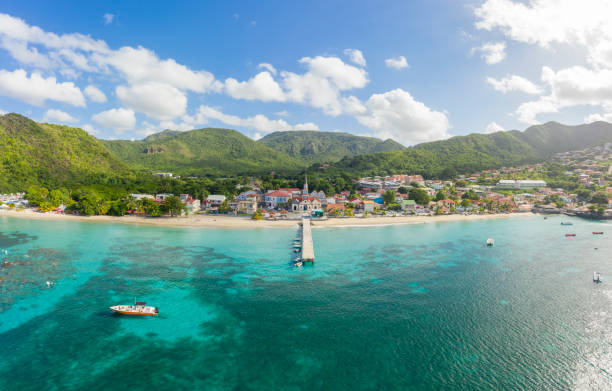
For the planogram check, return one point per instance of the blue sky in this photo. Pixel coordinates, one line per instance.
(412, 71)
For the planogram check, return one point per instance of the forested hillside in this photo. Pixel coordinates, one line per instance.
(464, 154)
(51, 155)
(210, 151)
(316, 146)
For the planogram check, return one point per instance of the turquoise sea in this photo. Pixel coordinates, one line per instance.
(405, 307)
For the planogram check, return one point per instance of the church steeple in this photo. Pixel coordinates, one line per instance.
(305, 191)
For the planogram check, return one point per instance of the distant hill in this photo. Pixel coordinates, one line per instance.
(55, 155)
(474, 152)
(316, 146)
(52, 155)
(209, 151)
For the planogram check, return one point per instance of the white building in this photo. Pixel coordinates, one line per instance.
(519, 184)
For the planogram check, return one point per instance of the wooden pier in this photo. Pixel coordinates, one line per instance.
(307, 246)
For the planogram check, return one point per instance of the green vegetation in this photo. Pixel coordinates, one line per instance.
(418, 195)
(475, 152)
(203, 152)
(389, 197)
(258, 215)
(173, 205)
(100, 174)
(315, 146)
(51, 155)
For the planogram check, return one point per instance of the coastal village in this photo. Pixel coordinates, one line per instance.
(485, 192)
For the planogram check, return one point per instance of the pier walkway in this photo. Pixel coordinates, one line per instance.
(307, 246)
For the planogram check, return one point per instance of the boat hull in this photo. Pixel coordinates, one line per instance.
(134, 313)
(134, 310)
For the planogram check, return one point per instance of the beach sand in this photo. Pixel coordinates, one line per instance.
(208, 221)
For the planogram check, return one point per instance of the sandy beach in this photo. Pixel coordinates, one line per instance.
(233, 222)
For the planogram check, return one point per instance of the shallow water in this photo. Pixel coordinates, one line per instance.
(396, 307)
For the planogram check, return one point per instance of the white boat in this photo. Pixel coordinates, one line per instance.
(299, 264)
(490, 242)
(139, 308)
(596, 277)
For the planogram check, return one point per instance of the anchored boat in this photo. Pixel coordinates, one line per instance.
(598, 233)
(139, 308)
(570, 234)
(566, 223)
(596, 277)
(490, 242)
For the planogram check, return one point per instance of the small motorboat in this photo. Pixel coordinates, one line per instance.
(299, 264)
(566, 223)
(296, 250)
(597, 277)
(570, 234)
(139, 308)
(490, 242)
(50, 284)
(598, 233)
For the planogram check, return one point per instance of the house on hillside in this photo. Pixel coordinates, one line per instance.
(213, 201)
(276, 197)
(247, 206)
(368, 206)
(191, 204)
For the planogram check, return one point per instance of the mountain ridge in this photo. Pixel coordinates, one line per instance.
(320, 146)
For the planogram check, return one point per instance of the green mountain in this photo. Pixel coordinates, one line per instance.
(209, 151)
(315, 146)
(474, 152)
(51, 155)
(55, 155)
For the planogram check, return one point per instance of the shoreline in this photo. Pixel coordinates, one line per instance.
(232, 222)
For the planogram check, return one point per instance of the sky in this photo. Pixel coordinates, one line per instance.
(413, 71)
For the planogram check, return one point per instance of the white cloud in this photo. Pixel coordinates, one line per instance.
(543, 22)
(60, 116)
(396, 114)
(260, 87)
(584, 25)
(607, 117)
(492, 52)
(157, 100)
(118, 119)
(268, 67)
(108, 18)
(283, 113)
(579, 86)
(574, 86)
(493, 127)
(514, 83)
(356, 56)
(20, 51)
(321, 85)
(397, 63)
(259, 122)
(139, 65)
(94, 94)
(36, 89)
(353, 106)
(528, 111)
(341, 75)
